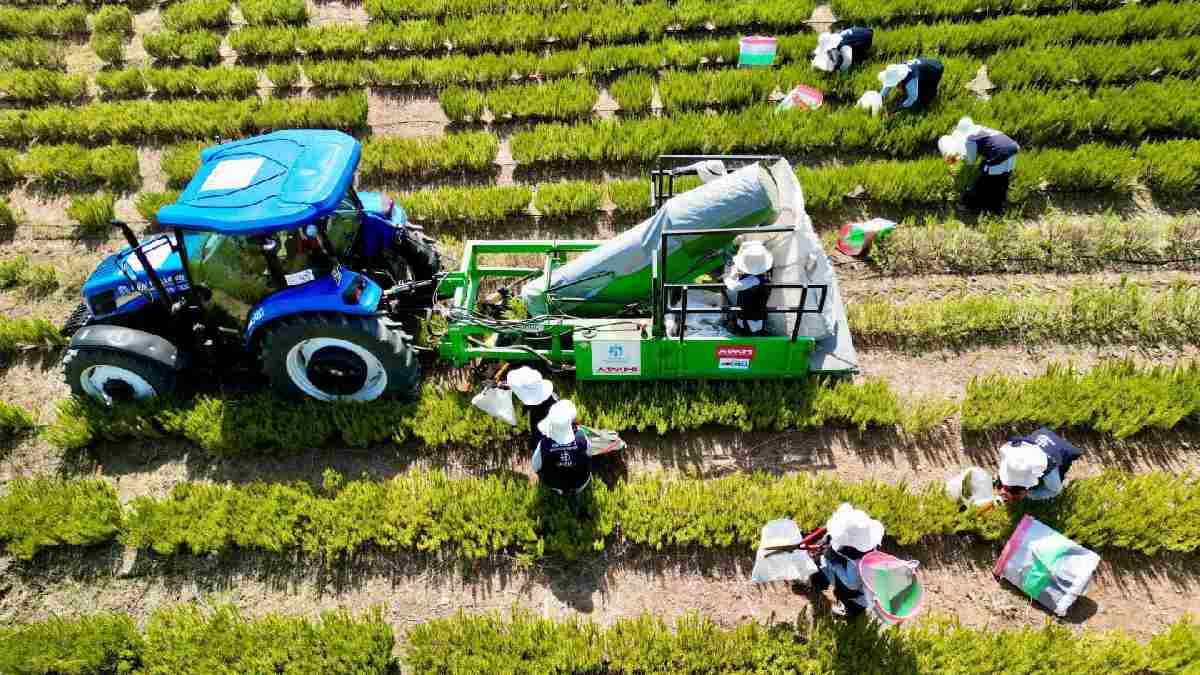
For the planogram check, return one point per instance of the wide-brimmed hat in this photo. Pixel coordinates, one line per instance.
(828, 41)
(559, 422)
(893, 74)
(966, 126)
(753, 258)
(851, 527)
(1022, 464)
(529, 385)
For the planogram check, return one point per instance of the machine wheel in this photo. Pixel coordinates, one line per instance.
(419, 254)
(332, 357)
(113, 377)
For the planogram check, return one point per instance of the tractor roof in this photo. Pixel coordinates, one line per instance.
(273, 182)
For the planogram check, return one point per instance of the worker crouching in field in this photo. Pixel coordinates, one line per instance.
(851, 534)
(747, 280)
(996, 155)
(910, 85)
(560, 457)
(536, 393)
(1036, 466)
(838, 51)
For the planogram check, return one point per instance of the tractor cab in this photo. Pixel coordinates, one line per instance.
(654, 302)
(270, 263)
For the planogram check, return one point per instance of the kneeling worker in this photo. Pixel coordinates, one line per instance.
(1035, 466)
(911, 85)
(747, 280)
(851, 534)
(560, 456)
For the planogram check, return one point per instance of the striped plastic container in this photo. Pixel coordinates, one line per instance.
(757, 51)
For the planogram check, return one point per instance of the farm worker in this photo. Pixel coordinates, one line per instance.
(851, 534)
(1035, 466)
(560, 457)
(997, 156)
(748, 279)
(911, 85)
(838, 51)
(536, 394)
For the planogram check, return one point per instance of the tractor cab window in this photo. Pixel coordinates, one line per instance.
(344, 222)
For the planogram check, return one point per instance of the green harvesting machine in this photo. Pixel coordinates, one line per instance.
(648, 303)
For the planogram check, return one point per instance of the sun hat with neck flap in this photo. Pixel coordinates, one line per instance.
(753, 258)
(853, 528)
(894, 74)
(559, 424)
(529, 385)
(1022, 464)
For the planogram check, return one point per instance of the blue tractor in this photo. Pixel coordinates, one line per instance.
(270, 264)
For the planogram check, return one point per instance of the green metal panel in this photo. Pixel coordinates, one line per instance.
(734, 358)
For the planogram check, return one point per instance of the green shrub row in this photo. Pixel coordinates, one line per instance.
(93, 213)
(14, 420)
(113, 19)
(1035, 119)
(185, 640)
(600, 25)
(31, 53)
(274, 12)
(494, 204)
(48, 22)
(558, 100)
(399, 10)
(1172, 168)
(385, 158)
(1116, 398)
(17, 334)
(874, 13)
(41, 86)
(568, 198)
(148, 204)
(36, 280)
(474, 518)
(185, 82)
(143, 121)
(647, 645)
(187, 15)
(197, 47)
(1110, 63)
(1053, 244)
(73, 166)
(1088, 312)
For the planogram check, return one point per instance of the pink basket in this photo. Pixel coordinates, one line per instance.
(875, 563)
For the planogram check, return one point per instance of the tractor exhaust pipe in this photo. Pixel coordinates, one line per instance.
(151, 273)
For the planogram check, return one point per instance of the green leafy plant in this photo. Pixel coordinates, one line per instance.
(48, 22)
(38, 513)
(1172, 168)
(18, 334)
(560, 99)
(196, 14)
(193, 81)
(91, 643)
(462, 105)
(148, 204)
(109, 47)
(113, 19)
(71, 166)
(567, 199)
(9, 219)
(93, 213)
(272, 12)
(201, 48)
(384, 158)
(32, 53)
(494, 204)
(633, 92)
(283, 76)
(36, 280)
(180, 161)
(124, 83)
(14, 420)
(40, 86)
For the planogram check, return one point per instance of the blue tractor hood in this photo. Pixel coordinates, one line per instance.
(277, 181)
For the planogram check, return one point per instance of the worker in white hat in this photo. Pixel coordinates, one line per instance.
(850, 534)
(1035, 466)
(996, 155)
(838, 51)
(535, 392)
(560, 458)
(749, 280)
(911, 85)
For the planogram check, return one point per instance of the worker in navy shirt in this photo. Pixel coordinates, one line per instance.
(1035, 467)
(749, 280)
(910, 85)
(838, 51)
(996, 154)
(560, 457)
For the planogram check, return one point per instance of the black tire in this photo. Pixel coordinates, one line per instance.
(342, 372)
(86, 367)
(419, 253)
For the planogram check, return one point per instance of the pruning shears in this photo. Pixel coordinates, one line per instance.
(812, 543)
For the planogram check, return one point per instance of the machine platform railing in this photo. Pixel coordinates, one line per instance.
(666, 169)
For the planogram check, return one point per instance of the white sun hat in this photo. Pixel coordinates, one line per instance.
(966, 126)
(893, 74)
(1022, 464)
(529, 385)
(753, 258)
(558, 424)
(851, 527)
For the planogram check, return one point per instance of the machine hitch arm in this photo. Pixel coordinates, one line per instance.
(151, 273)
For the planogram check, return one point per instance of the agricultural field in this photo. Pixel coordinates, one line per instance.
(232, 531)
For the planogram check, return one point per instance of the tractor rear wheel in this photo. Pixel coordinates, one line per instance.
(333, 357)
(113, 377)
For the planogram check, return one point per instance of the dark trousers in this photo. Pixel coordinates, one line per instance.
(844, 594)
(989, 193)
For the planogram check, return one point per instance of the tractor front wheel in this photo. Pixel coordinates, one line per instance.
(112, 377)
(339, 358)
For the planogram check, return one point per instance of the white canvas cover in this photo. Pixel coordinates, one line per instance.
(795, 565)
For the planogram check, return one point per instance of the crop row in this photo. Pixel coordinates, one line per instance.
(428, 511)
(187, 639)
(43, 21)
(1053, 244)
(17, 334)
(196, 47)
(34, 279)
(63, 166)
(32, 53)
(443, 417)
(1095, 64)
(1033, 118)
(14, 420)
(605, 24)
(1088, 312)
(876, 13)
(141, 121)
(186, 82)
(399, 10)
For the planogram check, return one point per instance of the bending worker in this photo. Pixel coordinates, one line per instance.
(748, 280)
(910, 85)
(560, 456)
(1035, 466)
(536, 394)
(838, 51)
(997, 156)
(851, 534)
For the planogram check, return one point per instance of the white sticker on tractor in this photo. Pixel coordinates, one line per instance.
(232, 174)
(612, 357)
(735, 357)
(301, 277)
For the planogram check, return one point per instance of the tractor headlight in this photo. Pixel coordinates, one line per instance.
(104, 302)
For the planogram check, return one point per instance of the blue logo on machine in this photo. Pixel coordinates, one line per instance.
(616, 352)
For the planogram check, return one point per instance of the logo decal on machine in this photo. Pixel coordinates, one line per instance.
(615, 358)
(735, 357)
